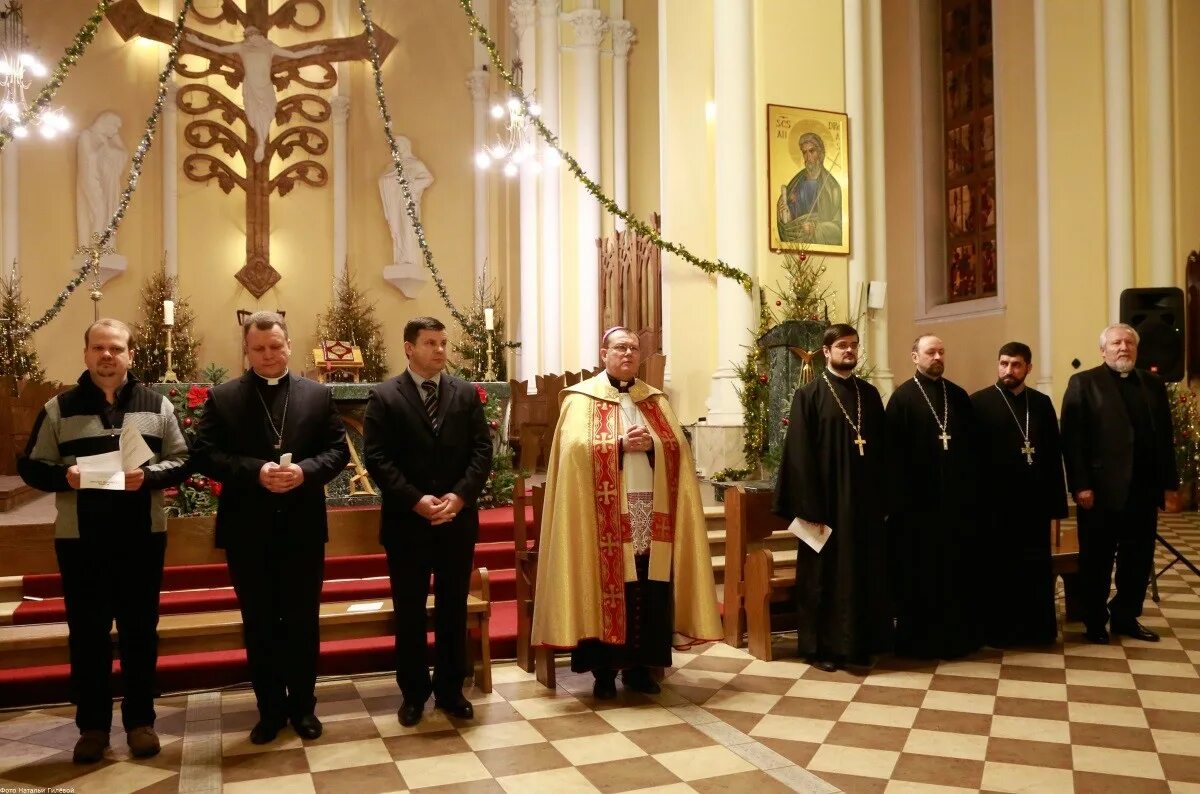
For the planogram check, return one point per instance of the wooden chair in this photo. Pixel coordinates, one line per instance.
(752, 583)
(526, 538)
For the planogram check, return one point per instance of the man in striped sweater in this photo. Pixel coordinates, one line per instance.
(109, 544)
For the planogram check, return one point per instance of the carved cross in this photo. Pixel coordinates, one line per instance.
(261, 68)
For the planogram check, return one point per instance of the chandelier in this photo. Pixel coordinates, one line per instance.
(516, 143)
(15, 62)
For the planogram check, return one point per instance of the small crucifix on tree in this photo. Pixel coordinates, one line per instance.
(261, 68)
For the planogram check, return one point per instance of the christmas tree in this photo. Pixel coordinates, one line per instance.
(351, 319)
(18, 359)
(471, 349)
(150, 334)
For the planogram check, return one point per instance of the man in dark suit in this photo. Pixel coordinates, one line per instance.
(271, 516)
(427, 446)
(1118, 447)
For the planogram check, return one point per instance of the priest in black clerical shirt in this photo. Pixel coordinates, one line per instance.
(833, 476)
(1021, 492)
(1119, 449)
(932, 521)
(271, 516)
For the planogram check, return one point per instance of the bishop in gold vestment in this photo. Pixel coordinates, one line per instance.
(625, 564)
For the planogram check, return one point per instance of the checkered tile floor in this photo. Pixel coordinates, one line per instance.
(1076, 717)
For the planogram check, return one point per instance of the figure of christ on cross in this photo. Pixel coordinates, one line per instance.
(261, 68)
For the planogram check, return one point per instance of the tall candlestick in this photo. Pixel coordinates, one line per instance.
(168, 312)
(169, 376)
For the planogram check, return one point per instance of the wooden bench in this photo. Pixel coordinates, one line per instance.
(752, 582)
(540, 660)
(46, 643)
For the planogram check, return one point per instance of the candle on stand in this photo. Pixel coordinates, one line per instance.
(168, 312)
(489, 319)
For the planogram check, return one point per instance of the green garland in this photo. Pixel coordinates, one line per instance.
(74, 52)
(101, 241)
(717, 268)
(410, 207)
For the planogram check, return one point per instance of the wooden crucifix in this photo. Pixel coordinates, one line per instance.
(261, 68)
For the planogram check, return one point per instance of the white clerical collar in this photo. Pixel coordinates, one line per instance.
(272, 381)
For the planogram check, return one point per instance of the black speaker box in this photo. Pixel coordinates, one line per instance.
(1157, 314)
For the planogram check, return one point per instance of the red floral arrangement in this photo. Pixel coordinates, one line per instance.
(197, 495)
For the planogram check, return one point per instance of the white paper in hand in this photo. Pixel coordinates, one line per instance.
(102, 472)
(134, 451)
(814, 535)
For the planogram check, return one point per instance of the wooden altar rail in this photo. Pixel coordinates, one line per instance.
(40, 644)
(753, 581)
(630, 285)
(533, 417)
(19, 406)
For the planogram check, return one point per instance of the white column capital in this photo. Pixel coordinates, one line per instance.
(524, 15)
(477, 84)
(623, 37)
(340, 105)
(589, 26)
(549, 8)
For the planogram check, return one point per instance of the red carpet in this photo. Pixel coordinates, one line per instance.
(205, 588)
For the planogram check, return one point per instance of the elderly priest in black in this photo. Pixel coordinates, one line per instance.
(271, 516)
(1117, 443)
(428, 448)
(1021, 492)
(832, 475)
(932, 511)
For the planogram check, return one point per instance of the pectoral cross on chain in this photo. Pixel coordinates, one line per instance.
(945, 437)
(861, 442)
(1028, 451)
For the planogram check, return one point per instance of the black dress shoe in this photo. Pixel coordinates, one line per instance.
(605, 688)
(265, 731)
(307, 727)
(639, 679)
(1098, 636)
(410, 713)
(1135, 630)
(456, 707)
(824, 665)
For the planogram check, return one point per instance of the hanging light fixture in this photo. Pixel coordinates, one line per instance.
(16, 62)
(516, 142)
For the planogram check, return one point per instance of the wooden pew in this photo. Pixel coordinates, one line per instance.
(748, 523)
(540, 660)
(46, 643)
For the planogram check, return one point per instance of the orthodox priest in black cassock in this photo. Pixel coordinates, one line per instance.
(1021, 491)
(932, 525)
(833, 475)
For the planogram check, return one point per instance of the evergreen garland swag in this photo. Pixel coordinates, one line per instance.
(351, 319)
(150, 334)
(18, 359)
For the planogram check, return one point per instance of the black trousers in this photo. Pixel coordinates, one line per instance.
(447, 552)
(1128, 536)
(648, 630)
(278, 586)
(109, 576)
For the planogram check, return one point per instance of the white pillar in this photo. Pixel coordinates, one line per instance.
(1118, 143)
(340, 104)
(168, 134)
(589, 25)
(733, 73)
(477, 84)
(10, 201)
(856, 265)
(524, 18)
(623, 37)
(1044, 355)
(1161, 153)
(877, 332)
(547, 82)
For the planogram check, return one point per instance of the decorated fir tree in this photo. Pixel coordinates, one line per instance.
(150, 334)
(471, 348)
(18, 359)
(351, 319)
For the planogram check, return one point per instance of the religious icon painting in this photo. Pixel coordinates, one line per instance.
(808, 180)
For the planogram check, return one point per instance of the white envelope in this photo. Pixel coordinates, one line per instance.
(814, 535)
(102, 471)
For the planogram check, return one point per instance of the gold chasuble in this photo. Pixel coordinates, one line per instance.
(587, 543)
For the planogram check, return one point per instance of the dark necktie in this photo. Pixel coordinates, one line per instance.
(431, 401)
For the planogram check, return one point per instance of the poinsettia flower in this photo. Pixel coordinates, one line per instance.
(215, 487)
(196, 396)
(483, 395)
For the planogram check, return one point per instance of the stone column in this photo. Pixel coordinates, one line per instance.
(477, 84)
(340, 105)
(1044, 355)
(168, 133)
(877, 331)
(589, 26)
(551, 216)
(524, 19)
(10, 202)
(1118, 148)
(623, 37)
(733, 73)
(1160, 148)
